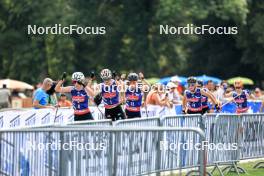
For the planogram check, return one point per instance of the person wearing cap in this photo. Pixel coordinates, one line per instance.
(176, 80)
(240, 96)
(173, 94)
(192, 99)
(40, 97)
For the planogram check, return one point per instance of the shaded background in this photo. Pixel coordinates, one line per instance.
(132, 41)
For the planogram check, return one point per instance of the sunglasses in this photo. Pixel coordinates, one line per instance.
(238, 87)
(74, 82)
(191, 84)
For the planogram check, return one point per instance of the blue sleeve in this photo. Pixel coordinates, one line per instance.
(38, 96)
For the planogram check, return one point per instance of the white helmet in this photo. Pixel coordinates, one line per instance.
(106, 74)
(78, 76)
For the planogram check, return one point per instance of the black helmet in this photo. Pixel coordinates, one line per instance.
(132, 77)
(200, 82)
(191, 80)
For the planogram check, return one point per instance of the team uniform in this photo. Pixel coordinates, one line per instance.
(80, 100)
(241, 101)
(194, 101)
(133, 103)
(110, 95)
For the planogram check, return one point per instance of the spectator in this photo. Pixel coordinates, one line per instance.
(173, 94)
(219, 94)
(259, 96)
(5, 97)
(52, 98)
(155, 100)
(40, 97)
(210, 86)
(176, 81)
(63, 102)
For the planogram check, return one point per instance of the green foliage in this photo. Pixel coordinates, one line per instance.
(132, 41)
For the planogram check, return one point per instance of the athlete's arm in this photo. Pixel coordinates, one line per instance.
(228, 95)
(61, 89)
(121, 88)
(89, 91)
(144, 81)
(184, 103)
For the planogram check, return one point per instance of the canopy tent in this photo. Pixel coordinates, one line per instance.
(182, 80)
(14, 84)
(206, 78)
(245, 81)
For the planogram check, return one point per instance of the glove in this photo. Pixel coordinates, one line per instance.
(84, 82)
(98, 99)
(217, 107)
(64, 75)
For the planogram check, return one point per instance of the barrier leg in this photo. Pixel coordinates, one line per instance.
(234, 168)
(218, 168)
(259, 165)
(196, 173)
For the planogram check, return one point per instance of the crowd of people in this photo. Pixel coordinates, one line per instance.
(124, 96)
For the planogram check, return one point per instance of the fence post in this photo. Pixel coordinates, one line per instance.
(160, 136)
(202, 165)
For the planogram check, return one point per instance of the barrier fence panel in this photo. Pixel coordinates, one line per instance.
(42, 151)
(185, 158)
(223, 134)
(252, 144)
(106, 122)
(182, 121)
(144, 121)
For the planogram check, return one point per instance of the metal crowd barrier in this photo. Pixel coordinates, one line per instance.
(106, 151)
(185, 158)
(144, 121)
(252, 142)
(105, 122)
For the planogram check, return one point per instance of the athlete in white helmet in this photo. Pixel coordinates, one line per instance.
(81, 93)
(110, 90)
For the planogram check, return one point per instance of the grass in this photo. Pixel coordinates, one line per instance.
(249, 169)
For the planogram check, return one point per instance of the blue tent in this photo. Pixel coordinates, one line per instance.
(206, 78)
(165, 80)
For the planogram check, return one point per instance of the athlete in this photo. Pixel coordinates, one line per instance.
(110, 90)
(192, 99)
(81, 94)
(134, 95)
(240, 97)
